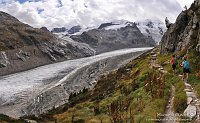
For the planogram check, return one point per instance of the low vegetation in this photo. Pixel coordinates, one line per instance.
(6, 119)
(194, 78)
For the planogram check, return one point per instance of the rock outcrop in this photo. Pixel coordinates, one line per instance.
(45, 29)
(23, 47)
(74, 30)
(184, 34)
(3, 59)
(167, 22)
(70, 31)
(59, 30)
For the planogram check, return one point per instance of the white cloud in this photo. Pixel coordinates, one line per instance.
(58, 13)
(184, 3)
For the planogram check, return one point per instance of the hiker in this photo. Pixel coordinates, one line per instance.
(186, 68)
(174, 62)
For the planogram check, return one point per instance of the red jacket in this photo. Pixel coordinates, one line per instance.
(172, 60)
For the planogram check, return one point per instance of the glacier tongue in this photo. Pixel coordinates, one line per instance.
(21, 91)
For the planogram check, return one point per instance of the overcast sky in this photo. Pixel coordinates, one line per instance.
(59, 13)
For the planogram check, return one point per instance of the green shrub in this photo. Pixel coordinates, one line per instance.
(79, 121)
(180, 102)
(180, 99)
(5, 118)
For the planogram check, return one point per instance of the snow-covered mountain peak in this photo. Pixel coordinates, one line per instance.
(152, 28)
(114, 25)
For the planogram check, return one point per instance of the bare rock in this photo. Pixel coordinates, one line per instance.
(189, 100)
(184, 33)
(190, 111)
(191, 94)
(198, 48)
(3, 59)
(167, 22)
(45, 29)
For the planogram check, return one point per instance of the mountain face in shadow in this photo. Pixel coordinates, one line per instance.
(23, 47)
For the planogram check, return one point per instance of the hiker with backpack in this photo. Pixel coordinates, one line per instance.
(174, 62)
(186, 69)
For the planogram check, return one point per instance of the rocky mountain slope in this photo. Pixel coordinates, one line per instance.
(113, 36)
(23, 47)
(150, 28)
(183, 35)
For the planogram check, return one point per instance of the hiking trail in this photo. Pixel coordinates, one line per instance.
(193, 102)
(169, 115)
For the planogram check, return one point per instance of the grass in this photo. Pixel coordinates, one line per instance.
(194, 76)
(180, 99)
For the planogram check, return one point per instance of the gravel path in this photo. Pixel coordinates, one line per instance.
(170, 115)
(193, 102)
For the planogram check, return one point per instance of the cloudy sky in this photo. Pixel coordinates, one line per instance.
(59, 13)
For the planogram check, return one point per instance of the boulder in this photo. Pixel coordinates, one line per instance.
(190, 111)
(189, 100)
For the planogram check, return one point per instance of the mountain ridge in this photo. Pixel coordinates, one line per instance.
(23, 47)
(156, 30)
(124, 35)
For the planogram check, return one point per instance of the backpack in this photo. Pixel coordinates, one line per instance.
(175, 61)
(186, 65)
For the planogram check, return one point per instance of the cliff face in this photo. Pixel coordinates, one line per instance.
(184, 34)
(23, 47)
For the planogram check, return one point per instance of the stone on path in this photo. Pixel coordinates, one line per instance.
(189, 100)
(191, 94)
(31, 121)
(190, 111)
(187, 85)
(188, 90)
